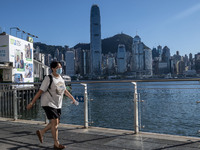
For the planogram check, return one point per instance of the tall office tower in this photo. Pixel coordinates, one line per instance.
(61, 56)
(190, 57)
(180, 67)
(56, 55)
(121, 59)
(86, 62)
(197, 62)
(111, 65)
(95, 41)
(141, 62)
(148, 62)
(186, 60)
(70, 61)
(155, 53)
(137, 62)
(79, 64)
(165, 54)
(166, 57)
(47, 59)
(159, 49)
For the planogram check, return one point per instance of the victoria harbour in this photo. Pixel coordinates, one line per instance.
(164, 107)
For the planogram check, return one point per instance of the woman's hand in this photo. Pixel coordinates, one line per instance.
(29, 106)
(75, 102)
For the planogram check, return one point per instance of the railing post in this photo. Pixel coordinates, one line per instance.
(85, 105)
(15, 104)
(136, 126)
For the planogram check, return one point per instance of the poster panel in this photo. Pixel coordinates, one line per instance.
(21, 54)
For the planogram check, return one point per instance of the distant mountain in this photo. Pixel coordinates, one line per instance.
(111, 44)
(48, 49)
(108, 45)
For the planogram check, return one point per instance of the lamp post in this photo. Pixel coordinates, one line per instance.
(17, 32)
(17, 29)
(23, 32)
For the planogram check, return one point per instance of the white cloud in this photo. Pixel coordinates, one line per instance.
(184, 14)
(188, 12)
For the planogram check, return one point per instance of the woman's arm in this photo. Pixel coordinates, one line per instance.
(70, 96)
(39, 93)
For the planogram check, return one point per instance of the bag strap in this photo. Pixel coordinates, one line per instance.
(50, 82)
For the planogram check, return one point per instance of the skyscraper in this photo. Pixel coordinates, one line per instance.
(70, 62)
(141, 62)
(95, 41)
(121, 59)
(137, 63)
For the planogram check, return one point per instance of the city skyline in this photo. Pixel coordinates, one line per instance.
(166, 23)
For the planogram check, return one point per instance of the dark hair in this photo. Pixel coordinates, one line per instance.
(54, 64)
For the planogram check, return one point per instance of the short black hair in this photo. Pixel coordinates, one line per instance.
(54, 64)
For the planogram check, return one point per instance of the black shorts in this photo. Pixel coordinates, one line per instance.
(52, 113)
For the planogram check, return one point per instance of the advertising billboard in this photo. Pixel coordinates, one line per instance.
(20, 52)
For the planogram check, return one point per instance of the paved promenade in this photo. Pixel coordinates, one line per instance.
(20, 135)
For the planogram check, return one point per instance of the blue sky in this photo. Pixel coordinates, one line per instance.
(172, 23)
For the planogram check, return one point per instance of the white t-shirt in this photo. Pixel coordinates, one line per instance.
(58, 87)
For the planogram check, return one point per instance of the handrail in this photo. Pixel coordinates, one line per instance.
(84, 83)
(127, 80)
(113, 81)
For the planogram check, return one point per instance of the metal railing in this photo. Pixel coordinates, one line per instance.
(15, 97)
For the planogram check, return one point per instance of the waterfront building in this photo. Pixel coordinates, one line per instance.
(104, 63)
(137, 63)
(141, 57)
(176, 57)
(159, 49)
(190, 57)
(197, 63)
(111, 65)
(61, 56)
(56, 55)
(86, 62)
(70, 62)
(48, 59)
(95, 41)
(162, 68)
(180, 67)
(36, 53)
(79, 64)
(40, 70)
(186, 60)
(191, 61)
(148, 62)
(121, 59)
(166, 54)
(155, 53)
(166, 57)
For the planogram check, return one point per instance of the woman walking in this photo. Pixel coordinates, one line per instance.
(51, 92)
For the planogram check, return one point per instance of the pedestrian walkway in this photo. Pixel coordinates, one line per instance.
(20, 135)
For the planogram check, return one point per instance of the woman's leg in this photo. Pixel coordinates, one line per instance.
(54, 130)
(48, 127)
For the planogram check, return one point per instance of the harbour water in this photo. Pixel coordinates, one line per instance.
(164, 107)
